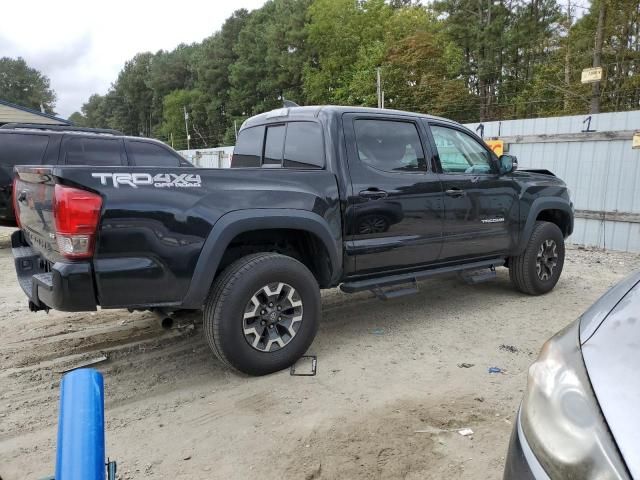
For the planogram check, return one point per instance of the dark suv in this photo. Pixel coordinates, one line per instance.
(38, 144)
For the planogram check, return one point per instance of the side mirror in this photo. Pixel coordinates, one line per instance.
(508, 164)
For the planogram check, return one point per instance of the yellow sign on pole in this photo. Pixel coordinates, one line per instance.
(636, 140)
(496, 145)
(591, 75)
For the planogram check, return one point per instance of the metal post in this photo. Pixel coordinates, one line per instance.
(378, 94)
(186, 126)
(597, 57)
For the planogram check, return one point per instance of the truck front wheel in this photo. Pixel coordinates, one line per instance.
(537, 269)
(262, 313)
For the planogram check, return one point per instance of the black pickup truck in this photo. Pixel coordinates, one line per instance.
(318, 197)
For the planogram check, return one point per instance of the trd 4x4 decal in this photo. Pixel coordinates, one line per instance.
(160, 180)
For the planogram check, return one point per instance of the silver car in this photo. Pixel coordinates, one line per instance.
(580, 416)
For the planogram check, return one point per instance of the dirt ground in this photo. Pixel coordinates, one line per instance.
(387, 401)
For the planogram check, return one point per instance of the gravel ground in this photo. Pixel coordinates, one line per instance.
(387, 401)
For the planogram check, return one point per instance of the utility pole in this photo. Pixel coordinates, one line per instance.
(597, 56)
(172, 140)
(567, 57)
(186, 127)
(378, 88)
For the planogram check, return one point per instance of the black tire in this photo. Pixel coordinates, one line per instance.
(523, 269)
(234, 290)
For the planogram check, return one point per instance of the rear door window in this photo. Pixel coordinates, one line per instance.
(147, 154)
(389, 145)
(248, 149)
(93, 151)
(303, 146)
(21, 149)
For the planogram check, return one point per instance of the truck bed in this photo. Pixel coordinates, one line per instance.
(154, 222)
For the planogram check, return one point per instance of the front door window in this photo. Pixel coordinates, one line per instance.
(460, 153)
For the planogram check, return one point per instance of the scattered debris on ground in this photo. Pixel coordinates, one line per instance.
(509, 348)
(84, 364)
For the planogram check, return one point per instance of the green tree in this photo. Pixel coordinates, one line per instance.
(532, 82)
(134, 97)
(24, 85)
(173, 124)
(78, 119)
(422, 72)
(96, 112)
(270, 56)
(346, 45)
(214, 60)
(169, 71)
(464, 59)
(620, 87)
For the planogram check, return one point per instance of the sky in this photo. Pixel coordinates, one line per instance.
(82, 45)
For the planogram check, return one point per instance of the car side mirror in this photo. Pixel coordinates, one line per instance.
(508, 164)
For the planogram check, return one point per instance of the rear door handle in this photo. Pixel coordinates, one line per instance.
(455, 192)
(373, 193)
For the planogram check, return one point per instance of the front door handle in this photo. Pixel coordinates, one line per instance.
(455, 192)
(373, 193)
(22, 197)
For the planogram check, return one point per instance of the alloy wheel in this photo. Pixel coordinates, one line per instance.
(272, 317)
(547, 259)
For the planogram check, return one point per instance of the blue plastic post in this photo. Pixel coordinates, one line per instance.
(80, 451)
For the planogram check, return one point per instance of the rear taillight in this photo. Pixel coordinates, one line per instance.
(14, 198)
(76, 213)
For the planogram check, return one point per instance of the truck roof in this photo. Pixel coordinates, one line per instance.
(301, 113)
(59, 130)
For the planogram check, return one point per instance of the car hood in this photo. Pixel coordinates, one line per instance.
(611, 351)
(538, 176)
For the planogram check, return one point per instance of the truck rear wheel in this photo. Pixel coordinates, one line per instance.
(262, 313)
(538, 268)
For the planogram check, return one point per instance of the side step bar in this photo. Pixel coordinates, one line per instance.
(473, 277)
(395, 292)
(376, 284)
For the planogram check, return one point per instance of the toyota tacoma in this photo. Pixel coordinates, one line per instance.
(317, 197)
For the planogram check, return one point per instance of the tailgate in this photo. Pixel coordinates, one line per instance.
(34, 191)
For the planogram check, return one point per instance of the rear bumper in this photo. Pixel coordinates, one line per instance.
(67, 287)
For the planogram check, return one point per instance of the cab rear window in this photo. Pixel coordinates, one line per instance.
(291, 145)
